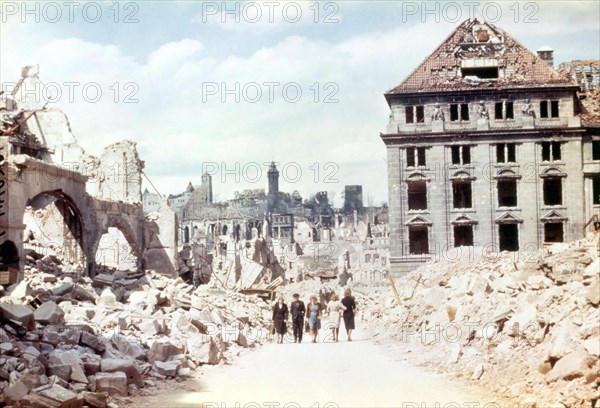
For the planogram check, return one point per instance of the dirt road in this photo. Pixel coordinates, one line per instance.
(322, 375)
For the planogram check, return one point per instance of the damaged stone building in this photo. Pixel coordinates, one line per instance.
(46, 175)
(488, 145)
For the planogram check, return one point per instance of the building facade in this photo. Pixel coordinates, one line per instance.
(486, 147)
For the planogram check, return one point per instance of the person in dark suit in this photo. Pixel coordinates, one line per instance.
(348, 315)
(280, 316)
(298, 311)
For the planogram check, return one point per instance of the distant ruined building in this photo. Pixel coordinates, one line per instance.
(45, 175)
(488, 145)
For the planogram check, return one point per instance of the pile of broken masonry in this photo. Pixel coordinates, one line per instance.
(71, 341)
(527, 331)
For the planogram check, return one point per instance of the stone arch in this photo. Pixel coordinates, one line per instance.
(72, 218)
(123, 226)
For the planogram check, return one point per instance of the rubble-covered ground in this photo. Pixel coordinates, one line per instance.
(69, 341)
(528, 331)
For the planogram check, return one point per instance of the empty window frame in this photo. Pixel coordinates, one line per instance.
(459, 112)
(414, 113)
(463, 235)
(509, 237)
(507, 192)
(415, 156)
(461, 154)
(551, 151)
(461, 194)
(481, 72)
(552, 187)
(418, 240)
(553, 232)
(595, 149)
(417, 195)
(504, 110)
(549, 109)
(596, 190)
(506, 153)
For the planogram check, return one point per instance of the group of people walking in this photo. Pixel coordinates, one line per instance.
(308, 317)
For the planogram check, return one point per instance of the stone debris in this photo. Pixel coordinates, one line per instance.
(72, 341)
(514, 327)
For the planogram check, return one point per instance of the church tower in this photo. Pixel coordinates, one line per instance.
(207, 187)
(273, 175)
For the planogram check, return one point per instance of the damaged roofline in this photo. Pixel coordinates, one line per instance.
(524, 89)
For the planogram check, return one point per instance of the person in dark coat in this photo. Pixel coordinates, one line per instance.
(298, 311)
(350, 304)
(280, 316)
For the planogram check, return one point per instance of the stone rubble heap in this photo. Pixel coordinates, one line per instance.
(527, 330)
(72, 341)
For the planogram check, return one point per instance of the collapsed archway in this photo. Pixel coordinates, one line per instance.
(54, 227)
(115, 250)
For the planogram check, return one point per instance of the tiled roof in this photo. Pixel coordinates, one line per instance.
(474, 44)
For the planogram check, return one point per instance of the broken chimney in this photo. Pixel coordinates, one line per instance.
(546, 54)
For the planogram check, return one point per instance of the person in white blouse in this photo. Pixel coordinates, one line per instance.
(334, 311)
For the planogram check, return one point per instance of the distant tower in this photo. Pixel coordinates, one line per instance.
(273, 175)
(207, 186)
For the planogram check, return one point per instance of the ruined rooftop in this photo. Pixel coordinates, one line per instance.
(585, 74)
(479, 55)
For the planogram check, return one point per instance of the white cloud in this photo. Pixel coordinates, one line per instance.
(266, 15)
(175, 52)
(178, 130)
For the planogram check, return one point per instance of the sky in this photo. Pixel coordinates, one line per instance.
(228, 87)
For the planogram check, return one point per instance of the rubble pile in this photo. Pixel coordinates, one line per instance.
(310, 287)
(526, 330)
(70, 341)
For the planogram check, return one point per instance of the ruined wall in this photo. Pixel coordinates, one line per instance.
(46, 159)
(117, 174)
(50, 125)
(160, 239)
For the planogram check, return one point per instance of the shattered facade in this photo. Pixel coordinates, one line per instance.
(43, 164)
(486, 147)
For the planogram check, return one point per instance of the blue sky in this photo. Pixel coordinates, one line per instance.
(177, 52)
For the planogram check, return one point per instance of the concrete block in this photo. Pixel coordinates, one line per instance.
(62, 289)
(19, 290)
(18, 313)
(111, 365)
(62, 371)
(62, 396)
(113, 383)
(73, 359)
(93, 341)
(167, 368)
(161, 351)
(49, 313)
(573, 365)
(95, 399)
